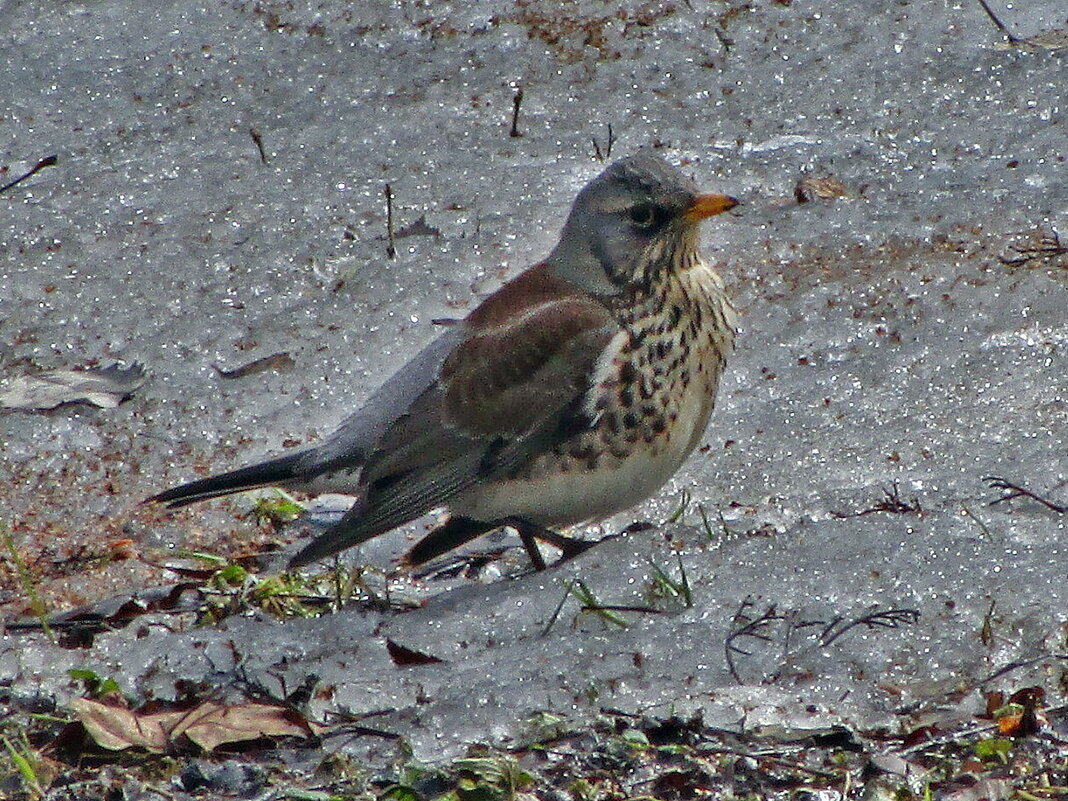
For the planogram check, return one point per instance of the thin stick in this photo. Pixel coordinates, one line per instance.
(259, 143)
(516, 101)
(1016, 491)
(1000, 25)
(559, 608)
(983, 527)
(602, 156)
(391, 248)
(47, 161)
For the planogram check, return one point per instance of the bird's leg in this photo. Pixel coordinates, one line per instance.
(530, 531)
(523, 528)
(458, 530)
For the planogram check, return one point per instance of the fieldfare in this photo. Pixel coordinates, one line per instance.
(574, 391)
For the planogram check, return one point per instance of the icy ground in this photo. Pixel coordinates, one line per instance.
(900, 342)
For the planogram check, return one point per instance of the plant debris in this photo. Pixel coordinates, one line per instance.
(47, 161)
(105, 387)
(208, 725)
(276, 361)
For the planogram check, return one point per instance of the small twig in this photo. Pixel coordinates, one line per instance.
(1000, 25)
(986, 633)
(1023, 663)
(757, 628)
(516, 102)
(750, 627)
(1013, 491)
(559, 608)
(766, 756)
(607, 154)
(951, 737)
(347, 723)
(258, 140)
(891, 504)
(982, 526)
(599, 608)
(890, 619)
(47, 161)
(391, 248)
(1045, 246)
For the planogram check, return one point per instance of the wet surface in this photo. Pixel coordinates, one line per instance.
(901, 341)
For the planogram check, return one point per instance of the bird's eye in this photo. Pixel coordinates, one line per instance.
(644, 215)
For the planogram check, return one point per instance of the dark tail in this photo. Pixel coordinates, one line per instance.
(265, 474)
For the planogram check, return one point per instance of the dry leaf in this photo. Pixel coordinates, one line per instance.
(211, 725)
(104, 387)
(810, 189)
(117, 728)
(207, 725)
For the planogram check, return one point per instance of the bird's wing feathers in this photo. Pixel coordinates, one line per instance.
(350, 445)
(502, 390)
(507, 379)
(505, 393)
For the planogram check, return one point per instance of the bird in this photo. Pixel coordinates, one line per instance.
(573, 392)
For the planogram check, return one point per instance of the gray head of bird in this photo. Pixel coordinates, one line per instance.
(636, 219)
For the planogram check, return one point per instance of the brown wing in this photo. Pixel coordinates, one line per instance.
(505, 394)
(510, 390)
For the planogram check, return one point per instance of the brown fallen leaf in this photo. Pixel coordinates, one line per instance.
(117, 728)
(210, 724)
(207, 725)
